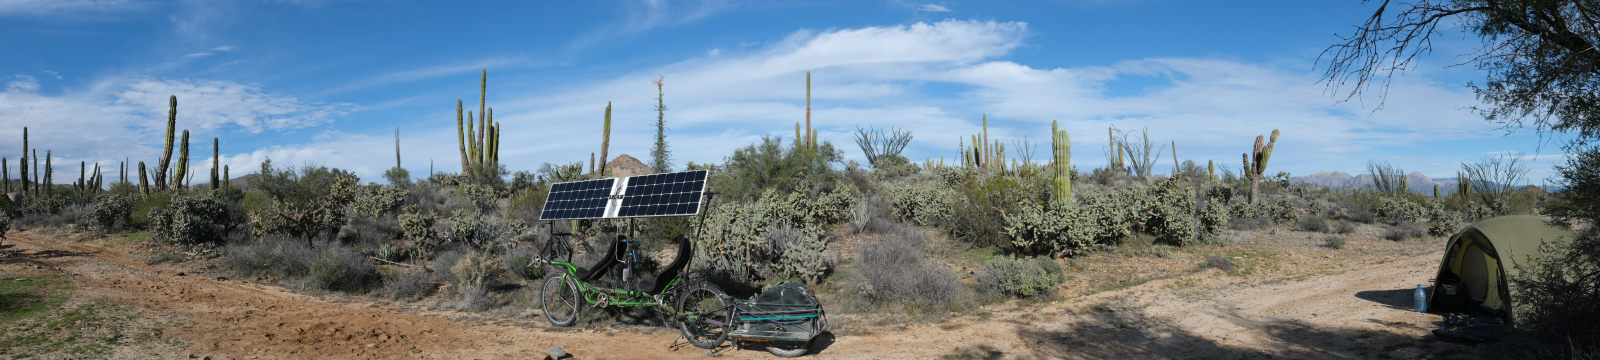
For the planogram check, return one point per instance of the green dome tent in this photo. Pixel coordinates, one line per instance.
(1479, 262)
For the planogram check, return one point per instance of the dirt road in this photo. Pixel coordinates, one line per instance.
(1358, 313)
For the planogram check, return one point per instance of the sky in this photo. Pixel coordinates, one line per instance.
(330, 82)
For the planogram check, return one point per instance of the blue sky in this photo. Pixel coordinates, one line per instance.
(327, 82)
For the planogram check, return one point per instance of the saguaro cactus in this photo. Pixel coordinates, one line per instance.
(183, 163)
(461, 138)
(49, 182)
(5, 174)
(1255, 163)
(1062, 145)
(605, 140)
(1211, 168)
(215, 161)
(166, 148)
(225, 177)
(478, 144)
(808, 141)
(83, 167)
(144, 182)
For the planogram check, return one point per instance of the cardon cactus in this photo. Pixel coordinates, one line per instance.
(1062, 145)
(461, 135)
(183, 163)
(22, 165)
(1253, 169)
(605, 141)
(166, 147)
(214, 161)
(144, 182)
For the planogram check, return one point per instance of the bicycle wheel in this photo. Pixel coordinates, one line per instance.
(560, 300)
(706, 313)
(789, 349)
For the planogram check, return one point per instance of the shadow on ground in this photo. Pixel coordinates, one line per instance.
(1123, 333)
(1397, 299)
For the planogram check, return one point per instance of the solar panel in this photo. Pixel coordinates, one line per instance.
(577, 200)
(672, 194)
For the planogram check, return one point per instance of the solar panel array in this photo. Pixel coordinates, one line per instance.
(673, 194)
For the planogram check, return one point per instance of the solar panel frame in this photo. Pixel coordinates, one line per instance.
(584, 199)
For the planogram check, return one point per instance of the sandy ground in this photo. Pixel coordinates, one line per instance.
(1358, 312)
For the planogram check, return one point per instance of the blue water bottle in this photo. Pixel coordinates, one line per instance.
(1421, 299)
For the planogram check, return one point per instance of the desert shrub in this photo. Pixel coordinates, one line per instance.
(1169, 213)
(1441, 221)
(110, 212)
(5, 225)
(418, 228)
(922, 202)
(482, 196)
(363, 229)
(519, 261)
(1395, 209)
(388, 252)
(1405, 230)
(735, 241)
(274, 256)
(1333, 241)
(1315, 223)
(443, 263)
(773, 164)
(378, 200)
(1283, 211)
(1220, 262)
(191, 219)
(894, 270)
(1344, 227)
(473, 270)
(1057, 230)
(304, 203)
(1213, 218)
(1020, 277)
(1556, 298)
(978, 216)
(408, 284)
(800, 253)
(340, 269)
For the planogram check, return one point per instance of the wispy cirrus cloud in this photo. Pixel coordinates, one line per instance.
(64, 7)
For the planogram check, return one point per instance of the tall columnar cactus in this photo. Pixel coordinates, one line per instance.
(122, 172)
(144, 182)
(461, 138)
(94, 179)
(1061, 145)
(216, 161)
(799, 140)
(49, 181)
(1436, 191)
(605, 141)
(1211, 169)
(183, 163)
(808, 141)
(225, 177)
(5, 175)
(35, 162)
(1255, 163)
(1175, 167)
(483, 114)
(166, 147)
(22, 164)
(472, 141)
(81, 185)
(986, 148)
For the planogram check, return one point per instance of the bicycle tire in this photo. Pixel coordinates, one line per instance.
(705, 314)
(562, 292)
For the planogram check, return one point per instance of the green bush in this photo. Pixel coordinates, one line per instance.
(799, 253)
(922, 202)
(111, 212)
(340, 269)
(1284, 211)
(979, 215)
(1400, 209)
(1020, 277)
(378, 200)
(418, 228)
(408, 284)
(473, 274)
(520, 261)
(1214, 218)
(191, 219)
(1057, 230)
(1441, 221)
(774, 164)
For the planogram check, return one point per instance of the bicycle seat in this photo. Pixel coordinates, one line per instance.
(608, 258)
(654, 285)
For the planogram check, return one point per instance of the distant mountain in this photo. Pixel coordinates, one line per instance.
(1416, 181)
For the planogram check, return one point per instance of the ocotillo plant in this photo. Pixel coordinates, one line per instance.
(183, 163)
(605, 141)
(144, 183)
(1061, 146)
(215, 161)
(166, 148)
(1255, 163)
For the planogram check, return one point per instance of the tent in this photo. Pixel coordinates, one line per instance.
(1479, 261)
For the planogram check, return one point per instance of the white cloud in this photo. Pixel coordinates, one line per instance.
(23, 83)
(210, 105)
(62, 7)
(933, 8)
